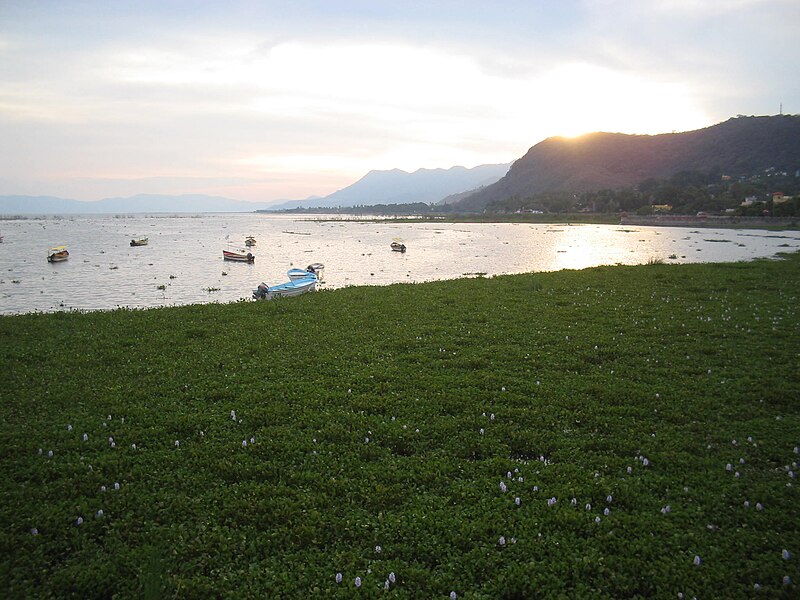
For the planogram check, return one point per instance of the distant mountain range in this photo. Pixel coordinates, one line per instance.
(738, 146)
(596, 161)
(400, 187)
(142, 203)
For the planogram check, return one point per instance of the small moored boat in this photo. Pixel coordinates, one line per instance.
(140, 242)
(398, 247)
(314, 269)
(238, 256)
(286, 290)
(249, 241)
(57, 254)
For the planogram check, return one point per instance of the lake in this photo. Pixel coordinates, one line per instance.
(183, 262)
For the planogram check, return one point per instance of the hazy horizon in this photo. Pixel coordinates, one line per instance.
(268, 102)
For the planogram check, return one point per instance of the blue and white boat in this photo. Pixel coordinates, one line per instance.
(312, 269)
(286, 290)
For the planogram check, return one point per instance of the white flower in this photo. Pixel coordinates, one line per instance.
(645, 462)
(79, 521)
(552, 501)
(386, 584)
(746, 504)
(536, 488)
(666, 510)
(491, 417)
(609, 498)
(729, 467)
(787, 580)
(481, 431)
(759, 506)
(110, 440)
(697, 560)
(574, 502)
(358, 582)
(588, 506)
(85, 437)
(133, 446)
(49, 454)
(517, 501)
(503, 487)
(392, 577)
(116, 486)
(252, 440)
(520, 479)
(502, 540)
(503, 389)
(606, 512)
(99, 513)
(597, 519)
(453, 596)
(102, 488)
(69, 427)
(338, 578)
(233, 415)
(34, 531)
(244, 443)
(741, 461)
(630, 470)
(756, 586)
(177, 443)
(378, 549)
(786, 555)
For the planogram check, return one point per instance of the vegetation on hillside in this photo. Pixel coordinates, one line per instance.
(610, 433)
(687, 192)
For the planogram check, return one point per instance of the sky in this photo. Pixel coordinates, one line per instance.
(269, 101)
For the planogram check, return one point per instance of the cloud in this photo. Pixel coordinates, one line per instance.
(319, 93)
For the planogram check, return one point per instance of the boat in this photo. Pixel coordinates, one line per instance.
(140, 242)
(398, 247)
(249, 241)
(318, 269)
(314, 269)
(286, 290)
(238, 256)
(57, 254)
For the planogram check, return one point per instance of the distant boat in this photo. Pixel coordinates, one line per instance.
(398, 247)
(315, 269)
(140, 242)
(286, 290)
(57, 254)
(249, 241)
(238, 256)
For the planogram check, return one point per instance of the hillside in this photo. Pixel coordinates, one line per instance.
(597, 161)
(400, 187)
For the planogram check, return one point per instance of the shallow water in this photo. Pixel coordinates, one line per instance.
(185, 254)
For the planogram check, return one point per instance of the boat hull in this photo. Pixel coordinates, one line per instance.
(142, 242)
(285, 290)
(238, 257)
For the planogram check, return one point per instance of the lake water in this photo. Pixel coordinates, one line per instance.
(184, 255)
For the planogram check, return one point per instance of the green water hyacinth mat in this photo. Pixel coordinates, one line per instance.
(615, 432)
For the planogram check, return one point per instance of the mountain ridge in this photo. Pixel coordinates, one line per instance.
(396, 186)
(604, 160)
